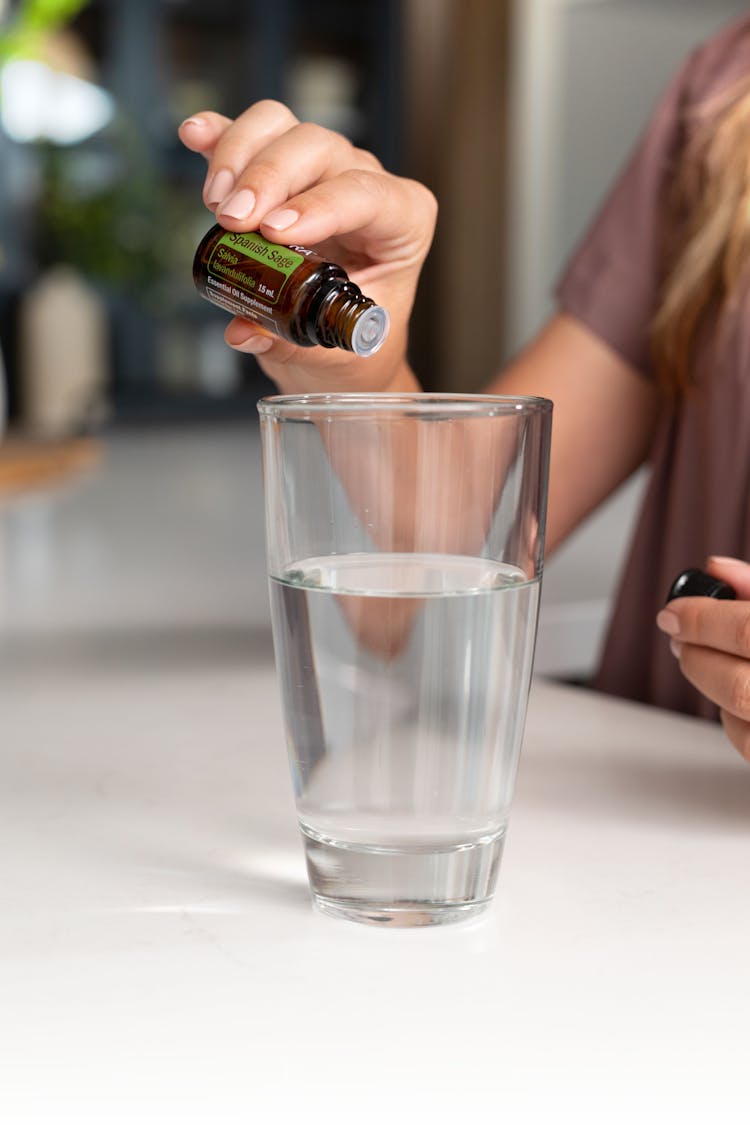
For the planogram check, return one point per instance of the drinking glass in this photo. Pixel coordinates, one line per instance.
(405, 538)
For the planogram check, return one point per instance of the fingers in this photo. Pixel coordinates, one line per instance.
(392, 217)
(202, 132)
(301, 157)
(259, 161)
(299, 182)
(229, 145)
(734, 571)
(709, 622)
(247, 337)
(711, 640)
(720, 677)
(725, 680)
(738, 733)
(307, 185)
(238, 146)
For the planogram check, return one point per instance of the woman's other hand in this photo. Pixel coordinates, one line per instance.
(711, 640)
(299, 183)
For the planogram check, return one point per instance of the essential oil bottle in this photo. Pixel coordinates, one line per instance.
(288, 290)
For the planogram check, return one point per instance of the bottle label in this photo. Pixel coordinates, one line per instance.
(252, 269)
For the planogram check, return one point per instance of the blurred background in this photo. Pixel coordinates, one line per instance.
(123, 403)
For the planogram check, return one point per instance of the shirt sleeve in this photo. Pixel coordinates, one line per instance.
(611, 282)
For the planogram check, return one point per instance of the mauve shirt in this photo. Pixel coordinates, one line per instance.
(696, 503)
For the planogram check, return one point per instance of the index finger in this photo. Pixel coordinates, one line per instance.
(709, 622)
(203, 131)
(240, 142)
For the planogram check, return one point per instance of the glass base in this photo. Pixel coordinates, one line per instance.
(411, 886)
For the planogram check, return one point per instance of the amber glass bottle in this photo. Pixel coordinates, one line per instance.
(288, 290)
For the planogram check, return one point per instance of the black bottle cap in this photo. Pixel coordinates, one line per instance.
(695, 583)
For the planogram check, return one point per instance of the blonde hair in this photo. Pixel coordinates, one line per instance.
(711, 208)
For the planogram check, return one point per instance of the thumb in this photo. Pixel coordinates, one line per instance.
(734, 571)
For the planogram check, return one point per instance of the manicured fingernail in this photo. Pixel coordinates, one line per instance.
(255, 345)
(676, 649)
(253, 342)
(199, 122)
(280, 220)
(238, 206)
(668, 622)
(218, 187)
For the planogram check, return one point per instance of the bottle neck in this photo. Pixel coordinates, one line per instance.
(346, 319)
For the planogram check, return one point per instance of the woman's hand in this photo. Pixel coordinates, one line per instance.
(711, 640)
(300, 183)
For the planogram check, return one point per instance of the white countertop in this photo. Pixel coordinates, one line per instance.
(160, 960)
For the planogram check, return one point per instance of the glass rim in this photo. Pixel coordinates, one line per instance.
(303, 406)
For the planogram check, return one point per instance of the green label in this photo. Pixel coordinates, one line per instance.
(254, 265)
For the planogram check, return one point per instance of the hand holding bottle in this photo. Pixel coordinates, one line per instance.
(302, 184)
(711, 639)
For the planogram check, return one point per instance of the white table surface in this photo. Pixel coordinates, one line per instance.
(160, 960)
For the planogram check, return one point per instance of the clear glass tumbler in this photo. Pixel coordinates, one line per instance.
(405, 538)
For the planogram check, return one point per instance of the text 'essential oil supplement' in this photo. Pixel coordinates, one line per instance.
(288, 290)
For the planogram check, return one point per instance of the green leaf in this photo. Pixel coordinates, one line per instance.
(21, 36)
(44, 15)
